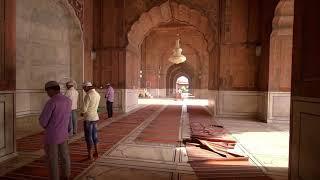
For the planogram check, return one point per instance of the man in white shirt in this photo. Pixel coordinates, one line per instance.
(72, 94)
(90, 113)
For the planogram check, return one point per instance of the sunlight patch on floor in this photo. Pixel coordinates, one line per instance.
(267, 143)
(168, 101)
(274, 145)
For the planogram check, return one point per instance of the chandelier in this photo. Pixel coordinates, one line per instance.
(176, 56)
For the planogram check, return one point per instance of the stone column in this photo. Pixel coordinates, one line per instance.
(7, 78)
(280, 60)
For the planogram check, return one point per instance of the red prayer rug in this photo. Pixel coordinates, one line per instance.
(215, 162)
(164, 128)
(108, 137)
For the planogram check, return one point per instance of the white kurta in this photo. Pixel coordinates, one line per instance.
(73, 94)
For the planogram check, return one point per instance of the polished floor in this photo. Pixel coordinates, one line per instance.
(145, 152)
(267, 144)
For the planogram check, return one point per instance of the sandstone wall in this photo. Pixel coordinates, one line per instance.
(239, 36)
(7, 78)
(49, 47)
(156, 68)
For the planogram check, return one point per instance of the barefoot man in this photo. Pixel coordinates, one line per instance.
(90, 108)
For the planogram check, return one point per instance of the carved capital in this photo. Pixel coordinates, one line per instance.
(78, 9)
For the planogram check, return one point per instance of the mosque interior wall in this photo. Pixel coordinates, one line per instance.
(49, 47)
(7, 79)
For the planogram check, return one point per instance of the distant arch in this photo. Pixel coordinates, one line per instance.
(166, 13)
(174, 72)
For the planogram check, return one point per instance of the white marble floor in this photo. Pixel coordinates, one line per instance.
(267, 144)
(130, 159)
(172, 101)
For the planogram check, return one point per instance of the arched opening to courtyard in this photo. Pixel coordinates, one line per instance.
(182, 87)
(151, 41)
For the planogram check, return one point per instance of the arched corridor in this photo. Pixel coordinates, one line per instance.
(174, 72)
(167, 133)
(200, 89)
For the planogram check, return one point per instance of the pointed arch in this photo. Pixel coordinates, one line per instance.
(166, 13)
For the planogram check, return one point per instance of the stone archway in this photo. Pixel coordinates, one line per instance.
(157, 48)
(174, 72)
(166, 13)
(197, 62)
(75, 8)
(175, 79)
(280, 60)
(158, 15)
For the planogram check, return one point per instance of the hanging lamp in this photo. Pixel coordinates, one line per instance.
(176, 57)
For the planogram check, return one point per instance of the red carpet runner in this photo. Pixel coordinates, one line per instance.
(164, 128)
(34, 142)
(209, 165)
(108, 136)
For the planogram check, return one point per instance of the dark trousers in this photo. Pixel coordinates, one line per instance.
(54, 152)
(109, 109)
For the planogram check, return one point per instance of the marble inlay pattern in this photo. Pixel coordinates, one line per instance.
(130, 159)
(149, 153)
(16, 162)
(165, 161)
(99, 172)
(156, 160)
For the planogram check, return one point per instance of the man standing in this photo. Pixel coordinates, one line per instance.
(110, 97)
(90, 108)
(72, 94)
(55, 119)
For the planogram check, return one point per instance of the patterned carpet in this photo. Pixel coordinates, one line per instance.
(210, 165)
(34, 142)
(164, 128)
(108, 136)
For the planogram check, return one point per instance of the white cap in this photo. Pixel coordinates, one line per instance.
(108, 84)
(70, 83)
(87, 84)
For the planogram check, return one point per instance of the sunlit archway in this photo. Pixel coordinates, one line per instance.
(182, 87)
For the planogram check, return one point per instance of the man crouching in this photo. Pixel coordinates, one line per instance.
(91, 117)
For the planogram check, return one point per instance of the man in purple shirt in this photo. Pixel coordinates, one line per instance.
(55, 120)
(110, 97)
